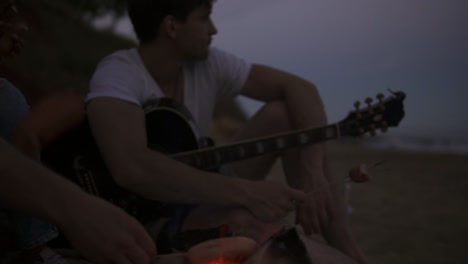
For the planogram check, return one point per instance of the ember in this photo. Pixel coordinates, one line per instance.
(223, 261)
(228, 250)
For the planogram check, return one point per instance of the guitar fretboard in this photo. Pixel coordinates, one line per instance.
(213, 157)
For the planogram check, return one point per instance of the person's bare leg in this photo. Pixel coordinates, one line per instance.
(337, 232)
(319, 252)
(277, 251)
(269, 120)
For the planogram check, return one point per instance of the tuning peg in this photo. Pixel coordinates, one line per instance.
(369, 103)
(380, 97)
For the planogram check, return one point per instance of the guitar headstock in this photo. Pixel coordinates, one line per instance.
(385, 113)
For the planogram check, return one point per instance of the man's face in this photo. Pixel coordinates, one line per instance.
(195, 34)
(12, 29)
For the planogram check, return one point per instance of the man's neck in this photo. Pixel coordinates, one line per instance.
(162, 62)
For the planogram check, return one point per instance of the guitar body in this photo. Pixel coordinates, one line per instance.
(75, 155)
(169, 127)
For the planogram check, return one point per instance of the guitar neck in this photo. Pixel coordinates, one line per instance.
(213, 157)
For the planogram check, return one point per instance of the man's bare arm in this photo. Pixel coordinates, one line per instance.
(146, 171)
(305, 109)
(303, 102)
(22, 181)
(119, 129)
(102, 232)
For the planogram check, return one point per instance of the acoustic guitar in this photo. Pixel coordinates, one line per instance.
(170, 130)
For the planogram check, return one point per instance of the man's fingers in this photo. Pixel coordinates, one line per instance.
(331, 211)
(124, 260)
(137, 255)
(288, 204)
(308, 219)
(297, 196)
(304, 221)
(323, 214)
(314, 218)
(147, 244)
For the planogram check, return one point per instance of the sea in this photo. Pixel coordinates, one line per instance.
(457, 146)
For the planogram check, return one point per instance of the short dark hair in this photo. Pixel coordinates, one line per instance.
(147, 15)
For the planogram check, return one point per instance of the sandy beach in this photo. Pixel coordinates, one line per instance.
(415, 208)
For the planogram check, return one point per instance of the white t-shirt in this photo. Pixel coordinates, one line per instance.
(123, 75)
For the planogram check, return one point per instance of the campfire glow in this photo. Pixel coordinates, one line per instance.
(226, 249)
(222, 261)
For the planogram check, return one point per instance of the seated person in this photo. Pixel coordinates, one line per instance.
(174, 60)
(100, 231)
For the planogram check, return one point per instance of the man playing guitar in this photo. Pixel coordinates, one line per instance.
(175, 60)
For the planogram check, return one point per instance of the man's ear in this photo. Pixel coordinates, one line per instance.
(170, 26)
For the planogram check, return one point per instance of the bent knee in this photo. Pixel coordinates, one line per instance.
(274, 115)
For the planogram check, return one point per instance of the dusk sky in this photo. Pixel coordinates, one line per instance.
(355, 49)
